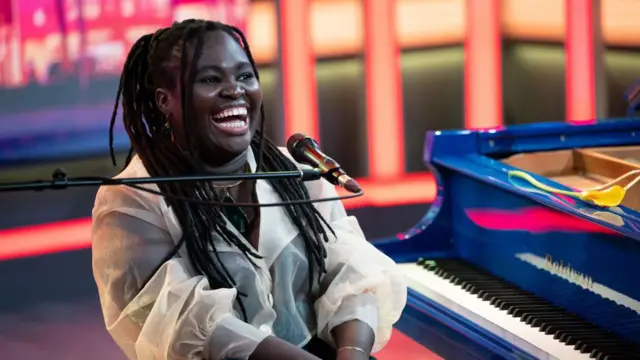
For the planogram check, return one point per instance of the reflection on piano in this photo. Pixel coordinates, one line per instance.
(499, 270)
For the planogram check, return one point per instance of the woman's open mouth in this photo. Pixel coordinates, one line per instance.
(232, 121)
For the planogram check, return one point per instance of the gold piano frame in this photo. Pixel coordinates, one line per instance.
(584, 168)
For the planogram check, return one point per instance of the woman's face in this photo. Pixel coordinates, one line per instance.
(226, 101)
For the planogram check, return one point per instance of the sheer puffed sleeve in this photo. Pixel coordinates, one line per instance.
(175, 315)
(361, 282)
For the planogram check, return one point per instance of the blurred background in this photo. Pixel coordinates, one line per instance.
(367, 78)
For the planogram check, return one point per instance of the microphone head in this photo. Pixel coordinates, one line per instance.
(297, 144)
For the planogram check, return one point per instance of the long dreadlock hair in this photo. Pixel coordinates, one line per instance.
(148, 67)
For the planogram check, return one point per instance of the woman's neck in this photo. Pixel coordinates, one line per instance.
(234, 166)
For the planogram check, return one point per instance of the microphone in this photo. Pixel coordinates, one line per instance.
(305, 150)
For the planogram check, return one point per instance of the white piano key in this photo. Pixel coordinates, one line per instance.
(482, 313)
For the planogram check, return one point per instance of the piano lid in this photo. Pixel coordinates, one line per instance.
(490, 155)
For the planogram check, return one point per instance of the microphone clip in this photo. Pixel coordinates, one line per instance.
(310, 174)
(59, 180)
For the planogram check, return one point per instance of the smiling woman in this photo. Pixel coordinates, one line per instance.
(182, 280)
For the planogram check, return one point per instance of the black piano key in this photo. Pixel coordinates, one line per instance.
(596, 346)
(600, 351)
(558, 323)
(570, 336)
(613, 353)
(551, 327)
(546, 321)
(518, 298)
(585, 342)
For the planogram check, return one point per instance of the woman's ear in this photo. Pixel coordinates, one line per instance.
(163, 101)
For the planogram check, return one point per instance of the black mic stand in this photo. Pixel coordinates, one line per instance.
(60, 180)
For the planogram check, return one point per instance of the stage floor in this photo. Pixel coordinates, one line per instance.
(75, 331)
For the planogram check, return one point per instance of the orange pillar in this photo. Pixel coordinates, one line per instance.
(583, 53)
(483, 65)
(385, 122)
(298, 69)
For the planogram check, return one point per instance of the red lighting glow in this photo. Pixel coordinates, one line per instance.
(580, 62)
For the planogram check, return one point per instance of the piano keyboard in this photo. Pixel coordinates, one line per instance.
(519, 317)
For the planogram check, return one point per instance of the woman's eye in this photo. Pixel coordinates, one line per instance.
(211, 79)
(246, 76)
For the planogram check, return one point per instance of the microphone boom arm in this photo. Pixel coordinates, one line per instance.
(60, 180)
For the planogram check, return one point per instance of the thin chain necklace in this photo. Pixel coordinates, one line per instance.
(235, 214)
(227, 187)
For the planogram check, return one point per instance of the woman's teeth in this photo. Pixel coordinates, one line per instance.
(233, 124)
(234, 121)
(240, 111)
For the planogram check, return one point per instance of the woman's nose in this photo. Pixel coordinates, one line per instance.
(232, 91)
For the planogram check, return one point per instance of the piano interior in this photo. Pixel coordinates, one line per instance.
(583, 169)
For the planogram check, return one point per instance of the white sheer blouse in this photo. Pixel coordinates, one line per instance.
(177, 315)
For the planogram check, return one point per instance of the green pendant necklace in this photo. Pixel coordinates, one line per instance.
(235, 214)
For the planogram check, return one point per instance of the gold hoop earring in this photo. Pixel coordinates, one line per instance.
(168, 129)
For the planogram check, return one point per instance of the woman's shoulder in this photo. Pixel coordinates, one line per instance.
(120, 197)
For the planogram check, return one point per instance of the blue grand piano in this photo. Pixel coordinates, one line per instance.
(499, 269)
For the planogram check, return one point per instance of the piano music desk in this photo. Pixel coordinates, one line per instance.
(510, 271)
